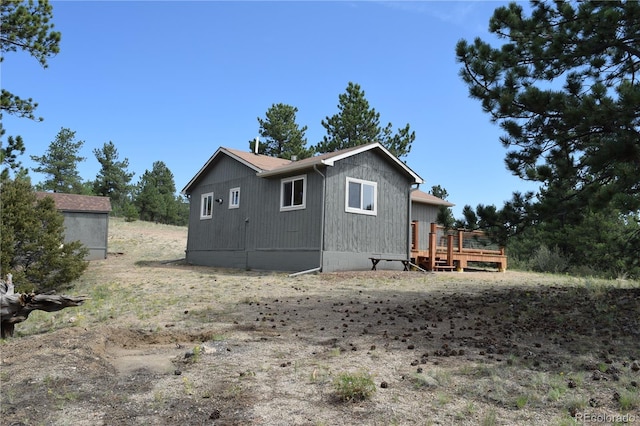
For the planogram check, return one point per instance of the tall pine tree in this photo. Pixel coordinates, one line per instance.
(356, 123)
(155, 196)
(113, 179)
(282, 136)
(60, 164)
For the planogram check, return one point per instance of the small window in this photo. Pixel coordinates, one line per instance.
(361, 196)
(206, 206)
(293, 193)
(234, 198)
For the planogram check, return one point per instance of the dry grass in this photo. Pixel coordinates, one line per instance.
(165, 343)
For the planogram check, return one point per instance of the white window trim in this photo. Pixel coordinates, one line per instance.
(348, 209)
(304, 193)
(231, 204)
(203, 198)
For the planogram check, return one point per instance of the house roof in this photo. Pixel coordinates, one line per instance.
(424, 198)
(266, 166)
(330, 158)
(78, 203)
(257, 162)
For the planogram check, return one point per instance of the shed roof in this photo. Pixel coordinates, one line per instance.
(266, 166)
(77, 202)
(424, 198)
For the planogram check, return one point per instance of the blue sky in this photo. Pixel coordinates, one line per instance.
(173, 81)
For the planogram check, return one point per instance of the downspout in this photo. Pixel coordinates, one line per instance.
(319, 268)
(409, 220)
(324, 192)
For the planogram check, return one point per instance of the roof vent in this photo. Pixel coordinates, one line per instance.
(294, 158)
(255, 145)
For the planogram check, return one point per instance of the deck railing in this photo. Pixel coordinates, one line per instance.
(459, 246)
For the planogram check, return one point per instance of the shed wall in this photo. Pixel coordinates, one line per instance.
(91, 229)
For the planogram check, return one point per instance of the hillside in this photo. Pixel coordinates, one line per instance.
(165, 343)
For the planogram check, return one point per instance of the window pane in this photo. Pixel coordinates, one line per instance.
(354, 195)
(368, 199)
(206, 205)
(298, 192)
(287, 194)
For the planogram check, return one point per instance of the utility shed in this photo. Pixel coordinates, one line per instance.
(86, 219)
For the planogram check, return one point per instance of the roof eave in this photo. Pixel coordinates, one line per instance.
(292, 168)
(223, 150)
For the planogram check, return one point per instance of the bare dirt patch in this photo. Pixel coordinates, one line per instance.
(165, 343)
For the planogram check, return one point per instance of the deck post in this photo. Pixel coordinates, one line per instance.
(433, 236)
(460, 240)
(450, 250)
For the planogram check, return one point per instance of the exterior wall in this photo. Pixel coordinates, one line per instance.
(425, 214)
(226, 230)
(351, 238)
(91, 229)
(257, 235)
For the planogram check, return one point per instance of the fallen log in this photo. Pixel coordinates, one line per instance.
(16, 307)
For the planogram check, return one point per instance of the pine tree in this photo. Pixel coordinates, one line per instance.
(32, 240)
(113, 179)
(564, 85)
(155, 198)
(60, 164)
(283, 137)
(357, 124)
(27, 27)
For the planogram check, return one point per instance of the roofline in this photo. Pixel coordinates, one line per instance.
(296, 166)
(433, 203)
(213, 157)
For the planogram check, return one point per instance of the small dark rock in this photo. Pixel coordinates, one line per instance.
(177, 372)
(215, 414)
(384, 385)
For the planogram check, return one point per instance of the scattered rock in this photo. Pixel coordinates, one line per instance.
(215, 414)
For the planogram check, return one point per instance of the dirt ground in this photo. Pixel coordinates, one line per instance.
(165, 343)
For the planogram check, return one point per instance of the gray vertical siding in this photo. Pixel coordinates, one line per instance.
(91, 229)
(226, 229)
(425, 214)
(260, 236)
(351, 238)
(257, 235)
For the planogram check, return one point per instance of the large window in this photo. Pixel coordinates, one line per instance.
(361, 197)
(234, 198)
(293, 193)
(206, 206)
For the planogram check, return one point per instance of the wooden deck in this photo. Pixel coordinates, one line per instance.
(449, 251)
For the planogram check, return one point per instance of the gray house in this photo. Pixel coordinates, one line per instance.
(330, 212)
(86, 219)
